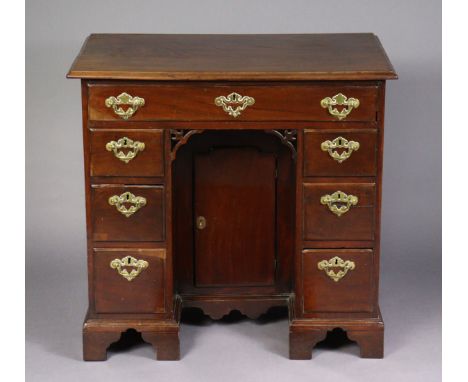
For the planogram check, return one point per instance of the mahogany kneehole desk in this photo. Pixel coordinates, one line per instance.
(233, 172)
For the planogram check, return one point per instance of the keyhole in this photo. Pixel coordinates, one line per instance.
(201, 222)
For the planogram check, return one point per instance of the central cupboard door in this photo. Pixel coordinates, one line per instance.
(235, 217)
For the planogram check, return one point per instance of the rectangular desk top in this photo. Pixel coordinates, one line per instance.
(267, 57)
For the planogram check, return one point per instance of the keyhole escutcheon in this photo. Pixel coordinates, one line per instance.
(201, 222)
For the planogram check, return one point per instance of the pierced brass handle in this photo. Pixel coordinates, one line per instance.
(336, 262)
(340, 143)
(339, 100)
(339, 203)
(234, 99)
(125, 143)
(119, 202)
(128, 261)
(201, 222)
(126, 99)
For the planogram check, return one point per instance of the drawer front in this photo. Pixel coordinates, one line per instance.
(127, 153)
(339, 211)
(128, 213)
(340, 153)
(129, 281)
(262, 102)
(338, 280)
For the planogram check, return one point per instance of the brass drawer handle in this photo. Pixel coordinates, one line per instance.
(125, 143)
(336, 262)
(126, 99)
(120, 201)
(340, 143)
(339, 203)
(339, 100)
(233, 99)
(128, 262)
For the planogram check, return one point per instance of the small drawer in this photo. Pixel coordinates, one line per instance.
(220, 102)
(338, 280)
(339, 211)
(340, 153)
(129, 281)
(128, 213)
(127, 153)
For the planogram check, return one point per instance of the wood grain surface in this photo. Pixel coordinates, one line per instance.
(348, 56)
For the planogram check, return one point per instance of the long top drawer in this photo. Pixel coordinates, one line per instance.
(232, 102)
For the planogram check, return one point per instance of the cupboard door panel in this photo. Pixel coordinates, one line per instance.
(235, 193)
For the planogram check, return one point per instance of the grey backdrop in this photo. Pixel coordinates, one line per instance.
(411, 241)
